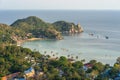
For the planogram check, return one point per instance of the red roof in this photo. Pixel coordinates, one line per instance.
(88, 65)
(10, 76)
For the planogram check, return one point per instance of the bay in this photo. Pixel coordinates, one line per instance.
(99, 23)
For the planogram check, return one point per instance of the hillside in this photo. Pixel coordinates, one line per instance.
(68, 27)
(34, 27)
(16, 59)
(37, 27)
(10, 35)
(6, 33)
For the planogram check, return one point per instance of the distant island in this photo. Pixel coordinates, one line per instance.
(32, 28)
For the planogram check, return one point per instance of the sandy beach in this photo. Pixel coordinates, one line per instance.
(32, 39)
(19, 42)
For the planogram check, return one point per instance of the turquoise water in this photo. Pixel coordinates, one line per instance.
(83, 45)
(99, 23)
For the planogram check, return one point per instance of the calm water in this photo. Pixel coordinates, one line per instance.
(100, 23)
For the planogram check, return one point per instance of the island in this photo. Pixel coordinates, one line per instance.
(34, 28)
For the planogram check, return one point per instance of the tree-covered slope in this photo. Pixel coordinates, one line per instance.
(10, 35)
(64, 26)
(30, 23)
(5, 34)
(16, 59)
(37, 27)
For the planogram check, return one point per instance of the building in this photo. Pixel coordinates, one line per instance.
(87, 66)
(10, 76)
(30, 72)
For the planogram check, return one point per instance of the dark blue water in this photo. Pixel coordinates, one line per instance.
(100, 23)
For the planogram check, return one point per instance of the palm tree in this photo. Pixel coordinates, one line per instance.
(51, 52)
(56, 53)
(72, 57)
(48, 56)
(76, 57)
(45, 52)
(68, 55)
(56, 57)
(83, 60)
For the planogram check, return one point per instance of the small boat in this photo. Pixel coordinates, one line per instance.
(91, 34)
(106, 37)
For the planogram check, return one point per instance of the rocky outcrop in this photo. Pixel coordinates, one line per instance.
(75, 29)
(67, 27)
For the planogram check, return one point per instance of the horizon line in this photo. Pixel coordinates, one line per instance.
(61, 9)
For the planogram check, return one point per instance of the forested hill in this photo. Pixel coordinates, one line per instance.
(40, 28)
(68, 27)
(30, 23)
(37, 27)
(34, 27)
(8, 34)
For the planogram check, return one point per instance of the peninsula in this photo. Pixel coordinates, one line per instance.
(34, 28)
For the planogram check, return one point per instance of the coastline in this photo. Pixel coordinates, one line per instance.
(32, 39)
(20, 42)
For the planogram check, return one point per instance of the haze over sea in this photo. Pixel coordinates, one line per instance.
(98, 23)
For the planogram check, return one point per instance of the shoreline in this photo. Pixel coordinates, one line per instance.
(32, 39)
(20, 42)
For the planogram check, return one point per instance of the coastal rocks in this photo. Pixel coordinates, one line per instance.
(75, 29)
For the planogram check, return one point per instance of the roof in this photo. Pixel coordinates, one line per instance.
(29, 70)
(19, 79)
(117, 78)
(88, 65)
(10, 76)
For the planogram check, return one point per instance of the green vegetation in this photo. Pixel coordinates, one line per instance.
(67, 27)
(37, 27)
(13, 59)
(34, 27)
(5, 32)
(9, 35)
(63, 26)
(17, 59)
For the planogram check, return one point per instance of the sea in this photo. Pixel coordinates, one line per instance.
(100, 40)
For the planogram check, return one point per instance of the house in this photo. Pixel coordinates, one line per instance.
(61, 73)
(117, 78)
(10, 76)
(87, 66)
(19, 79)
(30, 72)
(40, 73)
(119, 74)
(71, 60)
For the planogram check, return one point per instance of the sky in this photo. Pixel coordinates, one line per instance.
(60, 4)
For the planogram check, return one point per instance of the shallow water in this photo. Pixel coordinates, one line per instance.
(83, 45)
